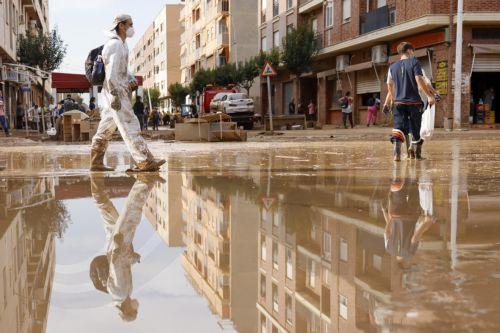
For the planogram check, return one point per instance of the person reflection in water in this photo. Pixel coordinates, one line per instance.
(111, 273)
(408, 216)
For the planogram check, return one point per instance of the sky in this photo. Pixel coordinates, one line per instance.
(83, 24)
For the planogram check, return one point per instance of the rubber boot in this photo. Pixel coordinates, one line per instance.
(150, 165)
(97, 161)
(409, 149)
(418, 151)
(397, 151)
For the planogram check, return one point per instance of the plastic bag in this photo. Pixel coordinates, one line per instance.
(428, 118)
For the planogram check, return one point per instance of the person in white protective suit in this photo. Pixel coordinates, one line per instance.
(111, 273)
(118, 112)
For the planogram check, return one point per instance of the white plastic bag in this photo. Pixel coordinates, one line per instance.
(427, 129)
(426, 197)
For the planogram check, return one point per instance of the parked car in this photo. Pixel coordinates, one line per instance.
(240, 108)
(216, 101)
(209, 94)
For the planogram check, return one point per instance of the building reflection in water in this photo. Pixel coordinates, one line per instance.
(30, 219)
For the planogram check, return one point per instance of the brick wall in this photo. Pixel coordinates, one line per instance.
(482, 5)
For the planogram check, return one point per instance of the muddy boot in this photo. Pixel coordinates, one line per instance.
(97, 161)
(397, 151)
(150, 165)
(409, 151)
(418, 151)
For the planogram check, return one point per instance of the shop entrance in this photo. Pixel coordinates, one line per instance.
(480, 84)
(308, 92)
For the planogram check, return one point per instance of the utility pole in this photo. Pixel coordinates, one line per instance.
(457, 101)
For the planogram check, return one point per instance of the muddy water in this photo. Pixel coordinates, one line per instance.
(320, 238)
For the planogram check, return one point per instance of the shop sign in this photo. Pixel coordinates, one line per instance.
(442, 77)
(422, 40)
(24, 77)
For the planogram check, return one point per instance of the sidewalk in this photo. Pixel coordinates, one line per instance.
(366, 133)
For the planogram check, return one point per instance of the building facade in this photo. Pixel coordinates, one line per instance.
(357, 41)
(156, 55)
(18, 85)
(216, 32)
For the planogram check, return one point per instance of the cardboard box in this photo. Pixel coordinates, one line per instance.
(192, 132)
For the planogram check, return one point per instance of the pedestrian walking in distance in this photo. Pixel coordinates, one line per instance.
(404, 80)
(346, 106)
(117, 112)
(139, 111)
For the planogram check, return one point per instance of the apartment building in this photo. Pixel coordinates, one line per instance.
(156, 55)
(217, 32)
(16, 18)
(220, 257)
(357, 40)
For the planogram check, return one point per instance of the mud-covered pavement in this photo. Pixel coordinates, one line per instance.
(252, 237)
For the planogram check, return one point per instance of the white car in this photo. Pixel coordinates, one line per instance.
(240, 108)
(216, 101)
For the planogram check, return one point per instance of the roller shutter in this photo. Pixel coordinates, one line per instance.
(366, 82)
(486, 63)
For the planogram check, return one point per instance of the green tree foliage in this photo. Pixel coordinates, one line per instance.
(177, 94)
(201, 79)
(273, 56)
(46, 52)
(155, 97)
(227, 75)
(298, 49)
(249, 70)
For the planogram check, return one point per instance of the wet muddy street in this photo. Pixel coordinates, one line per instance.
(257, 238)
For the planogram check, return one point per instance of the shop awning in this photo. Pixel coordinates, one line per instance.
(486, 58)
(486, 48)
(75, 83)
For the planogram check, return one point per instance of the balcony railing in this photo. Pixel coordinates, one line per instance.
(374, 20)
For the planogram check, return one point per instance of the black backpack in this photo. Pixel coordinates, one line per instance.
(94, 67)
(345, 103)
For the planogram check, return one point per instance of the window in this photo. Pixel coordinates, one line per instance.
(346, 10)
(276, 306)
(276, 38)
(276, 8)
(262, 286)
(198, 41)
(289, 28)
(263, 44)
(327, 246)
(263, 248)
(263, 11)
(343, 250)
(311, 276)
(343, 306)
(275, 255)
(288, 308)
(289, 264)
(329, 15)
(314, 24)
(289, 4)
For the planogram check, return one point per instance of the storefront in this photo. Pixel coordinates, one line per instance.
(485, 84)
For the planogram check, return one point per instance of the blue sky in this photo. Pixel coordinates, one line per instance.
(82, 24)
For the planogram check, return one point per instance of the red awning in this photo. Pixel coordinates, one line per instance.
(75, 83)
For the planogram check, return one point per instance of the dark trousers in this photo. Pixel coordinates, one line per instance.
(344, 119)
(140, 117)
(5, 124)
(407, 118)
(156, 123)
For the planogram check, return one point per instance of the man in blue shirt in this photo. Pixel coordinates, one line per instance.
(404, 80)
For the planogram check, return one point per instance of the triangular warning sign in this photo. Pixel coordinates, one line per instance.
(268, 202)
(268, 70)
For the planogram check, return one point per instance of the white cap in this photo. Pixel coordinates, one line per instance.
(119, 19)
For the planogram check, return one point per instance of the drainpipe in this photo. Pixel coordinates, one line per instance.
(457, 101)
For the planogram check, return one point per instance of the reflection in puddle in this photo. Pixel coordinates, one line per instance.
(273, 246)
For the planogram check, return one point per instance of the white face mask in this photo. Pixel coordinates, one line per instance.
(130, 32)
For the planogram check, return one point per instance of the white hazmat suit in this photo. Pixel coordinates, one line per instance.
(117, 81)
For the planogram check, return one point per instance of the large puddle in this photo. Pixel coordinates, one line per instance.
(310, 239)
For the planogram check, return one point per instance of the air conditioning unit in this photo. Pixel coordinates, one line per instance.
(342, 62)
(379, 54)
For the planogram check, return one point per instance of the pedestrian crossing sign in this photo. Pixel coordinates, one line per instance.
(268, 70)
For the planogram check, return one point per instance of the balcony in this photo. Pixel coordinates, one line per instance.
(306, 6)
(223, 39)
(374, 20)
(318, 41)
(223, 7)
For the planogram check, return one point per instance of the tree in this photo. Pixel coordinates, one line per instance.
(226, 75)
(249, 70)
(201, 79)
(46, 52)
(177, 94)
(155, 97)
(298, 49)
(273, 56)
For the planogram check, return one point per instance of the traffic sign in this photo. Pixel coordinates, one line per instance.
(268, 202)
(268, 70)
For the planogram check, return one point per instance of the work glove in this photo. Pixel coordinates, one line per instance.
(387, 110)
